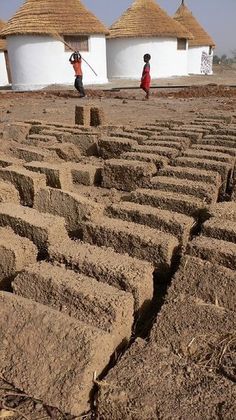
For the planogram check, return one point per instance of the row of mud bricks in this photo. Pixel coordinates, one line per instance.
(117, 269)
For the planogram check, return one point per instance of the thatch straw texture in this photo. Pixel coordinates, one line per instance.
(42, 17)
(200, 36)
(3, 44)
(146, 19)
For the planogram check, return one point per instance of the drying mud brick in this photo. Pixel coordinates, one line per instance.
(169, 152)
(214, 250)
(8, 193)
(195, 137)
(216, 149)
(107, 266)
(85, 173)
(127, 175)
(191, 174)
(41, 229)
(221, 167)
(206, 192)
(67, 151)
(15, 254)
(221, 141)
(210, 282)
(80, 297)
(225, 210)
(29, 154)
(220, 229)
(85, 141)
(43, 345)
(26, 182)
(158, 160)
(57, 175)
(9, 161)
(97, 116)
(180, 203)
(82, 115)
(176, 224)
(16, 131)
(131, 389)
(73, 207)
(134, 239)
(166, 144)
(112, 147)
(132, 136)
(208, 155)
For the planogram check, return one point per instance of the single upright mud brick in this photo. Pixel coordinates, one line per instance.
(82, 115)
(97, 117)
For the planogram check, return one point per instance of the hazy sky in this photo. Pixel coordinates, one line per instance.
(218, 17)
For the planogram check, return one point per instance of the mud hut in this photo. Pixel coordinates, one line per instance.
(200, 52)
(4, 81)
(146, 28)
(38, 58)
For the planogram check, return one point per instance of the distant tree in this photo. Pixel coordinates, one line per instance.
(216, 59)
(223, 58)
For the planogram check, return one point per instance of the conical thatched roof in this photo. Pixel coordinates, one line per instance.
(200, 36)
(3, 44)
(67, 17)
(146, 19)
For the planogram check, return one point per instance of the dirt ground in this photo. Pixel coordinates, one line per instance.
(166, 245)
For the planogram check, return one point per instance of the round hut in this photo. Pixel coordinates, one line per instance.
(146, 28)
(200, 52)
(38, 58)
(4, 81)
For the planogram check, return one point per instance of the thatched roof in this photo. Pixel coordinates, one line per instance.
(146, 19)
(3, 44)
(200, 36)
(42, 17)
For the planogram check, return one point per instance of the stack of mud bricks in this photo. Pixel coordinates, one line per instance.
(89, 116)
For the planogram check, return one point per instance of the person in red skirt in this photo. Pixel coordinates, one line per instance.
(146, 78)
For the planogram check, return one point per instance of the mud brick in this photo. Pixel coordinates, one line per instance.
(67, 151)
(85, 173)
(138, 241)
(216, 149)
(26, 182)
(43, 345)
(73, 207)
(184, 141)
(221, 167)
(41, 140)
(6, 160)
(127, 175)
(180, 203)
(57, 175)
(191, 174)
(225, 210)
(8, 193)
(225, 118)
(82, 115)
(97, 116)
(220, 229)
(15, 254)
(85, 141)
(107, 266)
(207, 192)
(41, 229)
(205, 154)
(16, 131)
(176, 224)
(140, 139)
(214, 250)
(169, 152)
(166, 144)
(112, 147)
(158, 160)
(29, 154)
(194, 137)
(84, 298)
(210, 282)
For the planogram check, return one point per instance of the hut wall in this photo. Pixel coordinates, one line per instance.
(3, 70)
(195, 58)
(125, 57)
(40, 61)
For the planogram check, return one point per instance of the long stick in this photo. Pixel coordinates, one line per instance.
(56, 35)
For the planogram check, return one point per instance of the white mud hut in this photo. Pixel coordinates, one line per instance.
(146, 28)
(4, 81)
(200, 52)
(38, 59)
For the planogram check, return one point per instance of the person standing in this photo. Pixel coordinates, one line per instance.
(146, 77)
(76, 60)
